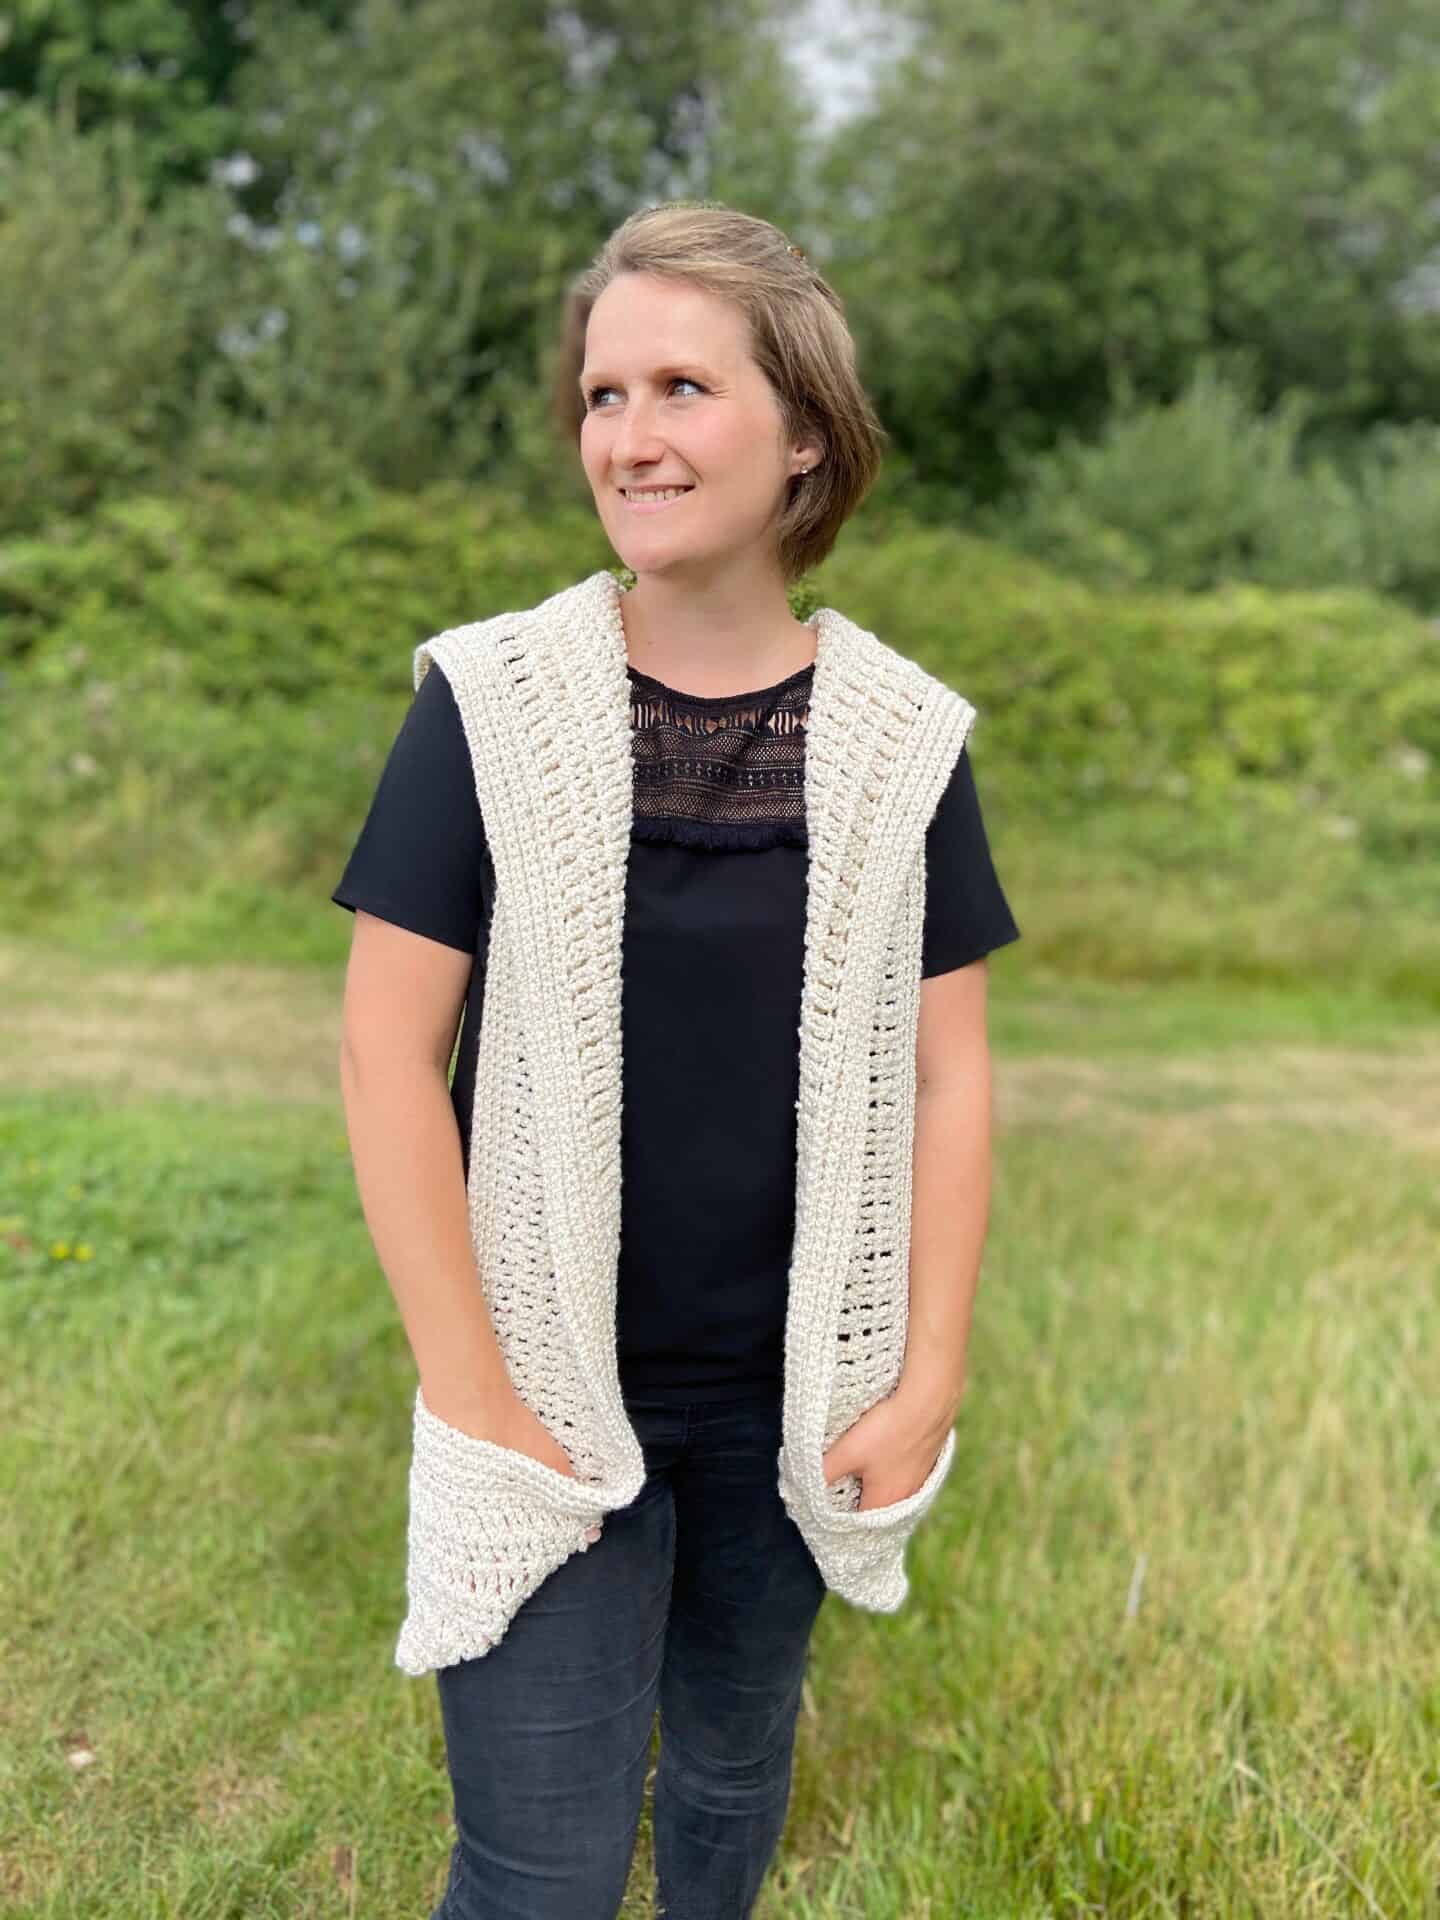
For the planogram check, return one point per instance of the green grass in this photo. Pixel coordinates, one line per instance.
(1171, 1646)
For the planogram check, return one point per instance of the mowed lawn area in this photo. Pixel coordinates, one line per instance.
(1173, 1640)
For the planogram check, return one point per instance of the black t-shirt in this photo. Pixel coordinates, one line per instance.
(712, 970)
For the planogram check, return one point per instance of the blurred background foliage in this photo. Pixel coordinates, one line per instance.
(297, 245)
(1147, 294)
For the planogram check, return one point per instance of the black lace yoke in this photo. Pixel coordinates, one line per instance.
(721, 771)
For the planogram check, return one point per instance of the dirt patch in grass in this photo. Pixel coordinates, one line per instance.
(248, 1032)
(1379, 1094)
(231, 1032)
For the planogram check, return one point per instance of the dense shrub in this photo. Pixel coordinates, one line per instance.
(249, 597)
(200, 696)
(1205, 713)
(212, 683)
(1207, 490)
(112, 308)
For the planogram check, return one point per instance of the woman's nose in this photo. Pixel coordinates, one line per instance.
(635, 438)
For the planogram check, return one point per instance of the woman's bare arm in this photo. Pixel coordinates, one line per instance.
(403, 998)
(950, 1200)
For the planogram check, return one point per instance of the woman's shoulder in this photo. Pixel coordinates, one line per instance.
(454, 647)
(882, 664)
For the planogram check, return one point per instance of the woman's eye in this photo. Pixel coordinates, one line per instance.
(592, 398)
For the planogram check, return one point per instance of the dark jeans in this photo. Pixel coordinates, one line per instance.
(698, 1598)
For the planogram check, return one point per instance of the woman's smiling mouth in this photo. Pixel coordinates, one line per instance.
(652, 499)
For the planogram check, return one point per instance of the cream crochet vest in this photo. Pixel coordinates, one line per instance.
(545, 701)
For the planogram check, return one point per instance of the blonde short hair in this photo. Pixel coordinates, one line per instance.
(798, 337)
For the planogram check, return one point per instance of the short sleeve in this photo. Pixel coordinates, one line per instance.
(420, 857)
(966, 912)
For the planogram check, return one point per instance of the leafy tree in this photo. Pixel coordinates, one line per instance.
(426, 181)
(164, 68)
(1046, 200)
(113, 309)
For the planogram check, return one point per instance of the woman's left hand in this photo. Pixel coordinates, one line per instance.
(892, 1446)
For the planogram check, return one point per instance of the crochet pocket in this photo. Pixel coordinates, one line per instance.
(861, 1554)
(487, 1525)
(846, 1491)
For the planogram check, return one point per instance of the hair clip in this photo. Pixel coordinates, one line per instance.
(797, 251)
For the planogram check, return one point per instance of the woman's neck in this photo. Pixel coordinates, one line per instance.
(714, 651)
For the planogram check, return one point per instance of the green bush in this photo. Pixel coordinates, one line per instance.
(1196, 710)
(247, 597)
(200, 695)
(328, 370)
(112, 308)
(1207, 490)
(208, 687)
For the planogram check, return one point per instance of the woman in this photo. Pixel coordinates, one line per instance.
(644, 840)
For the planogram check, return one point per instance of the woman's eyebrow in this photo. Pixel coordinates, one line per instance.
(680, 366)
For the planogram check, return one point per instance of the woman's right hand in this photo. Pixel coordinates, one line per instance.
(505, 1420)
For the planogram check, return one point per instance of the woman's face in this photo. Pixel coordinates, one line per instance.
(673, 397)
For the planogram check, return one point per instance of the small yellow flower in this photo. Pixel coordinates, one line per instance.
(59, 1249)
(84, 1250)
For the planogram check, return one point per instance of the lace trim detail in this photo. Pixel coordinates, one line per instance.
(724, 772)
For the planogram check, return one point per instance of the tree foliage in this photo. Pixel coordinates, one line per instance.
(166, 69)
(1045, 198)
(429, 178)
(321, 244)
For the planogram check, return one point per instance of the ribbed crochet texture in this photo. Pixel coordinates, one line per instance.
(544, 697)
